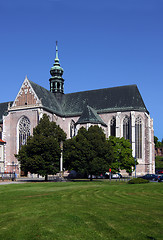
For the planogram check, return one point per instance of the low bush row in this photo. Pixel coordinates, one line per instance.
(138, 181)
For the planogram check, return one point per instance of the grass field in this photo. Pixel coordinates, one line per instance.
(81, 210)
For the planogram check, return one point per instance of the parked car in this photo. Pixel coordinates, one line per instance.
(160, 178)
(150, 177)
(113, 175)
(116, 175)
(101, 176)
(93, 176)
(159, 171)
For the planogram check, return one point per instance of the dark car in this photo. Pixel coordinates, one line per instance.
(159, 171)
(160, 178)
(150, 177)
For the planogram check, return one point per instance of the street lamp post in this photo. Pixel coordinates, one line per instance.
(135, 166)
(61, 158)
(118, 162)
(12, 166)
(13, 173)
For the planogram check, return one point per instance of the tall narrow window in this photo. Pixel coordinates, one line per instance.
(72, 129)
(24, 130)
(138, 137)
(126, 128)
(113, 127)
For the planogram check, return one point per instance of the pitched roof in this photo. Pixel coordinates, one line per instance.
(116, 99)
(124, 98)
(47, 98)
(1, 141)
(89, 115)
(3, 109)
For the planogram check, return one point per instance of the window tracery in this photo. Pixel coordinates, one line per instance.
(113, 127)
(126, 127)
(24, 131)
(138, 137)
(72, 129)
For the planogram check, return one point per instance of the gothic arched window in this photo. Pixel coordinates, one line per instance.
(138, 137)
(24, 130)
(113, 127)
(72, 129)
(126, 128)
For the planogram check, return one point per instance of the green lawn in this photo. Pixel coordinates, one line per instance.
(81, 210)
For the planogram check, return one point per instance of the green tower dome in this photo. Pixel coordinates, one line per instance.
(56, 80)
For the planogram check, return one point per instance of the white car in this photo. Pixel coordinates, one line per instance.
(113, 175)
(116, 175)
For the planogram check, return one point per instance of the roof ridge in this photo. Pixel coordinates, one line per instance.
(6, 102)
(38, 85)
(102, 89)
(89, 115)
(48, 99)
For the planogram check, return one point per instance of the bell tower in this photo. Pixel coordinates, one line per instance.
(56, 80)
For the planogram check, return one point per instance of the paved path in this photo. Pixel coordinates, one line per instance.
(21, 180)
(9, 182)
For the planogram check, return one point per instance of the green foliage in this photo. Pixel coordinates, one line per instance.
(42, 152)
(158, 143)
(159, 162)
(90, 153)
(138, 181)
(122, 156)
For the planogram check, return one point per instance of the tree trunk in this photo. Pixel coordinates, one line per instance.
(46, 178)
(91, 178)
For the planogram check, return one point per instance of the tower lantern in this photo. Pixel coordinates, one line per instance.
(56, 80)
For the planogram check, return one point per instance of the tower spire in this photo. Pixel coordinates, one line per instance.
(56, 80)
(56, 51)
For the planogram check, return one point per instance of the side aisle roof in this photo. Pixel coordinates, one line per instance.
(3, 109)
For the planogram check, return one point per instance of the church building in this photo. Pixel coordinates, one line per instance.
(119, 111)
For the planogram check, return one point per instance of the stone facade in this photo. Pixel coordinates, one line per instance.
(119, 111)
(34, 111)
(2, 160)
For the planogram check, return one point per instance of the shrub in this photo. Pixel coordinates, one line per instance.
(159, 162)
(138, 181)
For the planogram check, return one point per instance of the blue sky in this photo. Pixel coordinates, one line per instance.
(101, 44)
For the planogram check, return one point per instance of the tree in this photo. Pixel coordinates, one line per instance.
(88, 153)
(157, 142)
(122, 157)
(42, 152)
